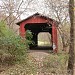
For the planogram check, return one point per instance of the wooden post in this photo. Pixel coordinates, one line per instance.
(54, 38)
(22, 30)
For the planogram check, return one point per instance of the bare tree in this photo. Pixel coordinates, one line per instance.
(59, 11)
(71, 49)
(13, 9)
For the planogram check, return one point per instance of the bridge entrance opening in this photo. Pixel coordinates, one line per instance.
(44, 39)
(42, 34)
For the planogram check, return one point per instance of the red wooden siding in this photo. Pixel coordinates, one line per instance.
(38, 19)
(31, 20)
(54, 37)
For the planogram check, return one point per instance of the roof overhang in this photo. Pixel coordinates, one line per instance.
(37, 14)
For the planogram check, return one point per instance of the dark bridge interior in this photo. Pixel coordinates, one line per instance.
(36, 28)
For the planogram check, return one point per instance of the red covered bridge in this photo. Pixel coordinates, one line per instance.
(39, 23)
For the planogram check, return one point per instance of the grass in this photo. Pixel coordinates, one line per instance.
(55, 63)
(24, 68)
(52, 64)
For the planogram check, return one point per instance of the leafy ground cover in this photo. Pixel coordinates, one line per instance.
(55, 63)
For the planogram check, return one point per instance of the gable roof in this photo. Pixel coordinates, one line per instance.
(36, 14)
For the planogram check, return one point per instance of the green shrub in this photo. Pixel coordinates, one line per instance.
(15, 46)
(11, 44)
(13, 51)
(29, 37)
(4, 30)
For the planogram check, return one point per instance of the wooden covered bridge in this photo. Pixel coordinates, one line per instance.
(39, 23)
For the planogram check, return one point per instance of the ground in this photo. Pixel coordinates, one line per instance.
(38, 55)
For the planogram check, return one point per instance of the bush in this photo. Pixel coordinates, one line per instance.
(13, 52)
(11, 44)
(4, 30)
(29, 37)
(14, 46)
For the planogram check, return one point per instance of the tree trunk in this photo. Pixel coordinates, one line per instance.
(71, 49)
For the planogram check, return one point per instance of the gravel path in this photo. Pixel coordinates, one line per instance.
(39, 56)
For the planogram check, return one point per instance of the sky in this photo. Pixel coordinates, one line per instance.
(36, 6)
(39, 6)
